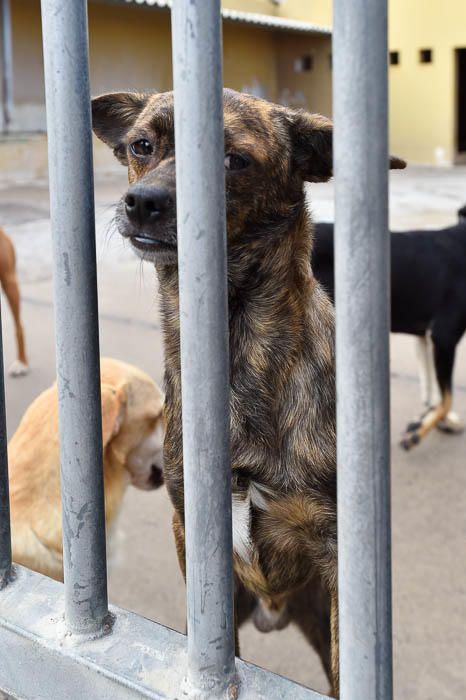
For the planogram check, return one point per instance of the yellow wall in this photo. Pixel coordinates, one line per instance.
(422, 96)
(129, 48)
(311, 90)
(249, 60)
(137, 41)
(318, 11)
(28, 77)
(265, 7)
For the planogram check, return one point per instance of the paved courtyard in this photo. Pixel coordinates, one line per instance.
(428, 484)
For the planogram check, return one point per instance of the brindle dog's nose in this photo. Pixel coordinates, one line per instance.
(144, 204)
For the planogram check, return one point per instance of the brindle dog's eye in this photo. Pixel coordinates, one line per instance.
(142, 147)
(233, 161)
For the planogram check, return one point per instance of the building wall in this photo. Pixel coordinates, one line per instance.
(311, 90)
(28, 72)
(130, 48)
(318, 11)
(423, 96)
(250, 60)
(264, 7)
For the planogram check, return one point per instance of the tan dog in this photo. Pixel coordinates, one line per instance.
(133, 433)
(9, 283)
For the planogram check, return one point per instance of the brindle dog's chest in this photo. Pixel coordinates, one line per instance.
(277, 533)
(282, 444)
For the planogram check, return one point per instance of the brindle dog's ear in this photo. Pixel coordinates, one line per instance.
(312, 143)
(113, 115)
(311, 139)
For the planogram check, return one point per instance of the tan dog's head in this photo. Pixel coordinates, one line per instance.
(132, 422)
(270, 151)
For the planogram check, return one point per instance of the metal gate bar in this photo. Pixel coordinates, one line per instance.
(197, 66)
(7, 65)
(138, 658)
(64, 26)
(5, 534)
(362, 325)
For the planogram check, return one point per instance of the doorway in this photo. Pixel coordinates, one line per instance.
(461, 101)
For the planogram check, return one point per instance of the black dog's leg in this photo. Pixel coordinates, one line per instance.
(445, 336)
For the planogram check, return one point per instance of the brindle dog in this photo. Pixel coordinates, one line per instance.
(283, 446)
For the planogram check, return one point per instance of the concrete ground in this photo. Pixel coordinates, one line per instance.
(429, 483)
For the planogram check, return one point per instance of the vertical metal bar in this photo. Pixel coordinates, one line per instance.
(7, 65)
(5, 534)
(362, 317)
(64, 26)
(197, 62)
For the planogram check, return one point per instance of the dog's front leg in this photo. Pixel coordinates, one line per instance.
(180, 543)
(334, 641)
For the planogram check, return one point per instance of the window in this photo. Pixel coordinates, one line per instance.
(425, 55)
(394, 58)
(304, 64)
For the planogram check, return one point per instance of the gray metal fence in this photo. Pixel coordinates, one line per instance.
(61, 641)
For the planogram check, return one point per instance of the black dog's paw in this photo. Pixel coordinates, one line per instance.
(409, 440)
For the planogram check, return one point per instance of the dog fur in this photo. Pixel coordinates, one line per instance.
(281, 323)
(133, 432)
(9, 284)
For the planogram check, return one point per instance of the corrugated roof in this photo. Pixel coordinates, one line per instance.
(259, 20)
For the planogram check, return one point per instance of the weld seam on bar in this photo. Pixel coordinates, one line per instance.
(197, 63)
(65, 42)
(362, 350)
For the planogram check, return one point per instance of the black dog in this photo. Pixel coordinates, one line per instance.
(428, 300)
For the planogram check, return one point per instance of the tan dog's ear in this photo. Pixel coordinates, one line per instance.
(113, 412)
(312, 146)
(113, 115)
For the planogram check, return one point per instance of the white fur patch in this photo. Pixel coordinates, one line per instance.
(258, 494)
(430, 392)
(241, 515)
